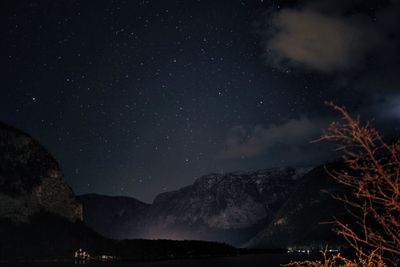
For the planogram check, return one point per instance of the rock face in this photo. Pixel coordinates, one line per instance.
(228, 208)
(31, 180)
(116, 217)
(272, 208)
(40, 219)
(304, 219)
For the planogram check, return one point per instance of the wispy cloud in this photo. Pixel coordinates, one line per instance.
(250, 142)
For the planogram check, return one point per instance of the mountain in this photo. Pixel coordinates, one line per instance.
(40, 218)
(39, 215)
(230, 208)
(31, 180)
(271, 208)
(306, 217)
(114, 217)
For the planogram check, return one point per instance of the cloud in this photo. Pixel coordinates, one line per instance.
(251, 142)
(311, 38)
(319, 41)
(349, 48)
(330, 36)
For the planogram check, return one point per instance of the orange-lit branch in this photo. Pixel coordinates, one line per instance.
(372, 172)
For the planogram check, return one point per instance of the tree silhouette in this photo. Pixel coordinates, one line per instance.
(372, 170)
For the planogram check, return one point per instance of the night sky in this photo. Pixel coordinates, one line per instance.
(139, 97)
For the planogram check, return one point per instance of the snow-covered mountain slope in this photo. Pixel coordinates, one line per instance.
(231, 208)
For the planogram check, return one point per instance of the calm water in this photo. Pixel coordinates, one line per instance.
(264, 260)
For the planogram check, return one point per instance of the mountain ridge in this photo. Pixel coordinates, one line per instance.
(260, 209)
(40, 219)
(233, 207)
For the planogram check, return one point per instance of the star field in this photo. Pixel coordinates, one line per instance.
(139, 97)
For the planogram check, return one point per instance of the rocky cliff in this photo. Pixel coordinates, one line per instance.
(228, 208)
(272, 208)
(231, 208)
(31, 180)
(40, 218)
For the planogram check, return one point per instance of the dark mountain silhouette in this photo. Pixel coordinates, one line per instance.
(114, 217)
(272, 208)
(40, 218)
(306, 218)
(225, 208)
(31, 180)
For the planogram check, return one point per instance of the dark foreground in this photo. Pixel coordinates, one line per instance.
(260, 260)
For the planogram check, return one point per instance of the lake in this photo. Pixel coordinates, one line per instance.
(259, 260)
